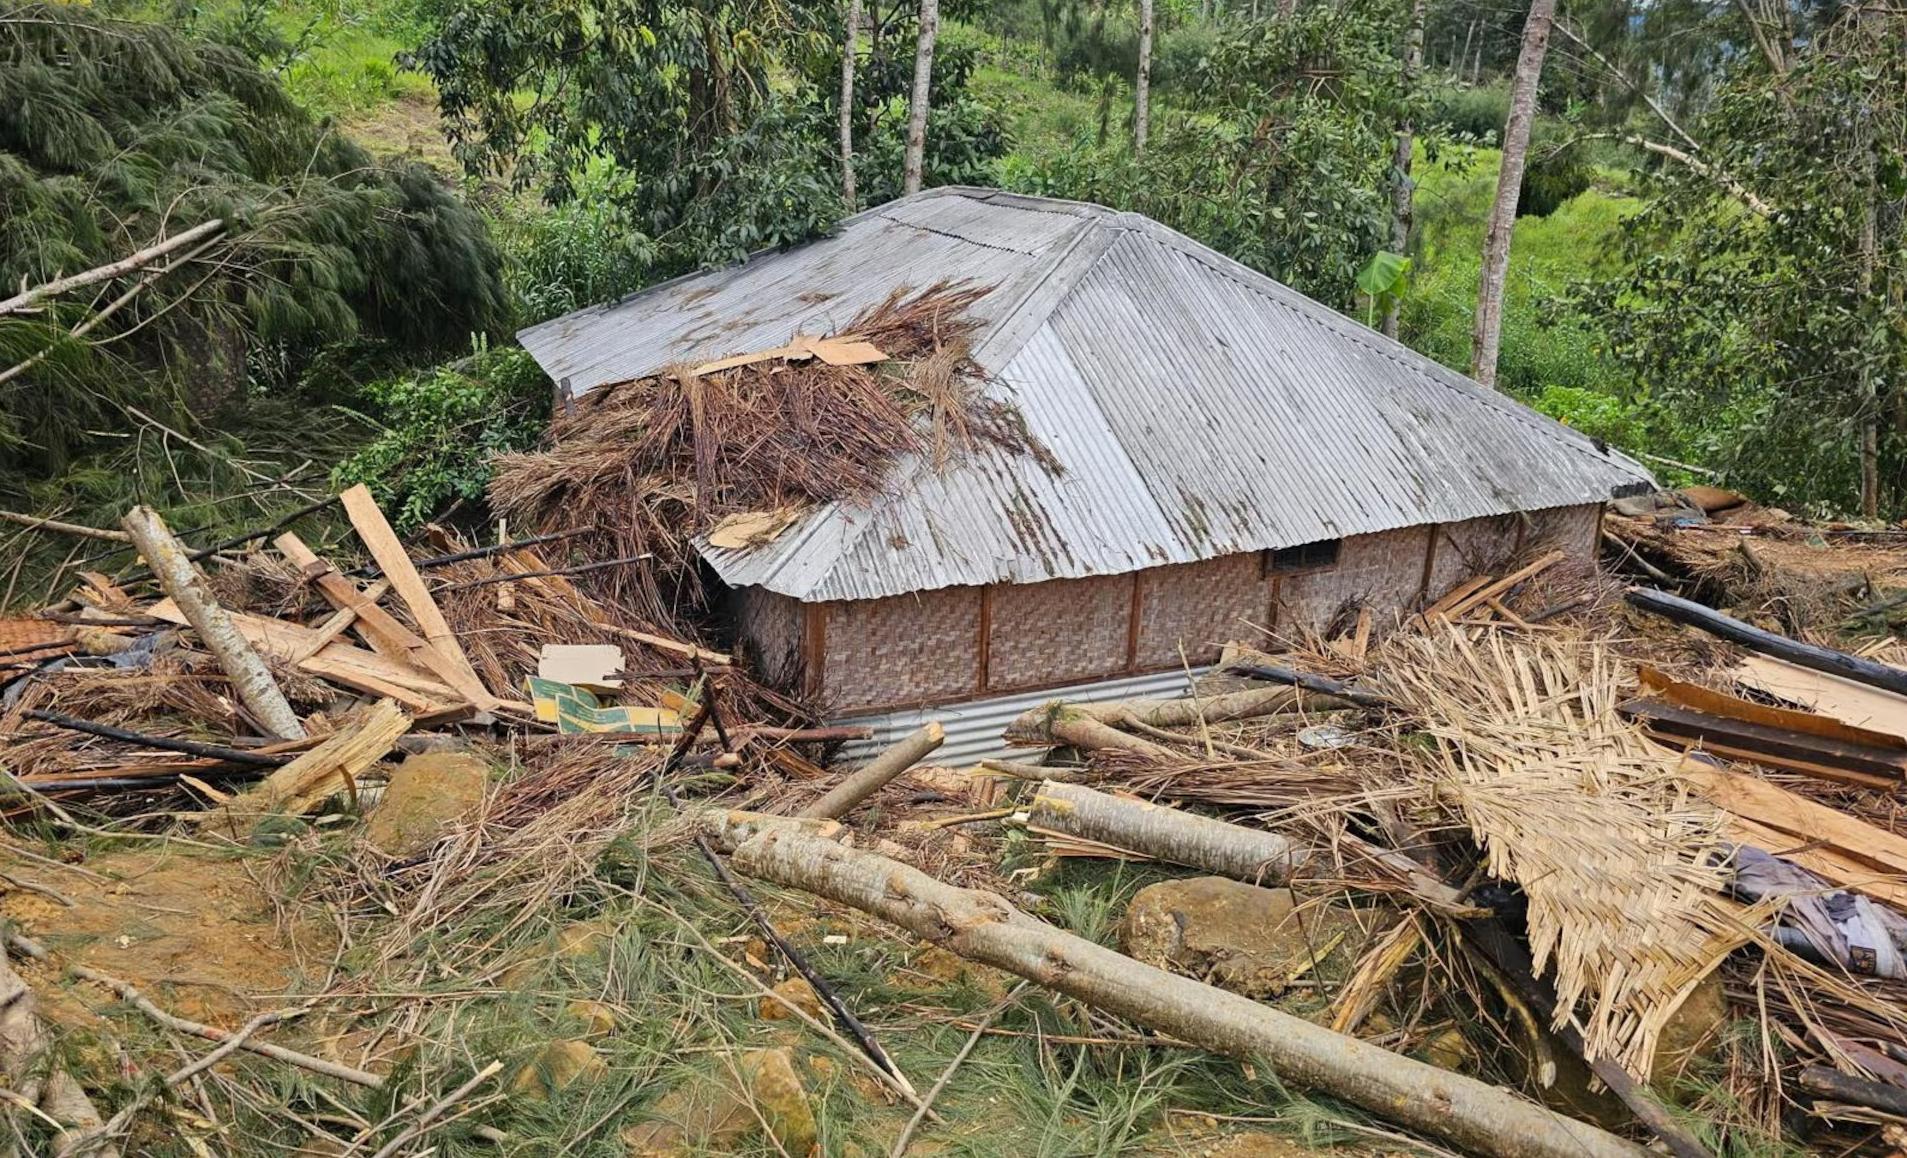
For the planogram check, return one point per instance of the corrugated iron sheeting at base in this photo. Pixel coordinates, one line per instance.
(1197, 408)
(974, 729)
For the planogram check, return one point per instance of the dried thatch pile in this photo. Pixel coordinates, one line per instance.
(654, 462)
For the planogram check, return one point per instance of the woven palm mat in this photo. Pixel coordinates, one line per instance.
(1578, 808)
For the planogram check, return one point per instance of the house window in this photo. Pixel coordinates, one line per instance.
(1303, 557)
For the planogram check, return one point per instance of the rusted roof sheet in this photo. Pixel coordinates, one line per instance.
(1198, 407)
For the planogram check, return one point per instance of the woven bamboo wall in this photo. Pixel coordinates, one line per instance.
(1472, 547)
(1050, 633)
(1382, 571)
(1572, 529)
(910, 649)
(768, 626)
(1197, 607)
(922, 649)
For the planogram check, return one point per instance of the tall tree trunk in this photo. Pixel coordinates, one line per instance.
(1488, 334)
(1287, 9)
(1463, 54)
(1870, 258)
(917, 107)
(847, 104)
(1142, 87)
(1403, 189)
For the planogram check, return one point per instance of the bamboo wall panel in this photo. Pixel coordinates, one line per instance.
(1067, 629)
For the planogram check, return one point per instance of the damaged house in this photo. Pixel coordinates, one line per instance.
(1227, 457)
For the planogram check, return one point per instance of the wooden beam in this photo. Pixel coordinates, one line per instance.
(451, 663)
(983, 659)
(1692, 614)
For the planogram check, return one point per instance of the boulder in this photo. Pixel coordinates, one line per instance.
(595, 1017)
(426, 796)
(717, 1115)
(796, 992)
(1253, 941)
(558, 1066)
(1693, 1027)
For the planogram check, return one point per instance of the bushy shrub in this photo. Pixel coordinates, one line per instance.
(440, 427)
(1477, 110)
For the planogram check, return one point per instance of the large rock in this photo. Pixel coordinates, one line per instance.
(1687, 1034)
(426, 796)
(718, 1116)
(1253, 941)
(558, 1066)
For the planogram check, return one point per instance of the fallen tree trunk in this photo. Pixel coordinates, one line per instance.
(1167, 834)
(1180, 713)
(1072, 725)
(875, 775)
(1692, 614)
(181, 580)
(331, 767)
(983, 927)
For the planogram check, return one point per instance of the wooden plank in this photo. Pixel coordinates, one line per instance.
(334, 765)
(1456, 595)
(343, 664)
(1749, 755)
(1701, 699)
(1776, 807)
(1852, 703)
(1497, 589)
(378, 627)
(1829, 863)
(391, 557)
(1663, 716)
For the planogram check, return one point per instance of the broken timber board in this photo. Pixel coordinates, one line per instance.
(1846, 700)
(395, 562)
(1700, 699)
(1796, 748)
(337, 661)
(1501, 586)
(1807, 820)
(332, 766)
(380, 628)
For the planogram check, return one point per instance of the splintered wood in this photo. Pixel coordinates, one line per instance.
(1580, 809)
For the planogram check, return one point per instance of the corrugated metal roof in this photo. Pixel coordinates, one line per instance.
(1198, 407)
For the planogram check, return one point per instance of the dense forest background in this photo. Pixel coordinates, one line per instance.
(329, 216)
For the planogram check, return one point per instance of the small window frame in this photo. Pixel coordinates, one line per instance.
(1303, 558)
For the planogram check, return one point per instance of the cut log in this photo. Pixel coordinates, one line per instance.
(333, 766)
(1823, 659)
(1853, 1091)
(180, 580)
(1167, 834)
(983, 927)
(1194, 710)
(871, 778)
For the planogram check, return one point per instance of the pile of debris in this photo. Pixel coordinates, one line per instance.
(1528, 852)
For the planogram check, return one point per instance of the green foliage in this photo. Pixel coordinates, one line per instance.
(1383, 280)
(1778, 335)
(1557, 171)
(440, 428)
(1277, 156)
(114, 133)
(1478, 111)
(681, 100)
